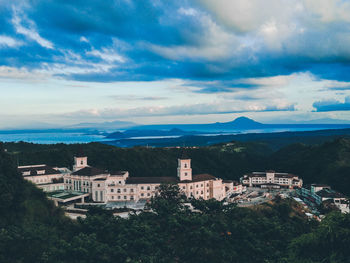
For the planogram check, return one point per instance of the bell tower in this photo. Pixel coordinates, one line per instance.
(79, 163)
(184, 170)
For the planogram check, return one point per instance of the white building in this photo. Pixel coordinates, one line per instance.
(44, 176)
(271, 179)
(105, 187)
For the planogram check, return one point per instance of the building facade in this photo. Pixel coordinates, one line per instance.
(82, 176)
(45, 177)
(118, 186)
(271, 179)
(103, 186)
(315, 195)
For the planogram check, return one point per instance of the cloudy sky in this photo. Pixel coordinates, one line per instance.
(64, 61)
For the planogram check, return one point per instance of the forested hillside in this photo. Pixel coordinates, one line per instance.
(33, 230)
(328, 162)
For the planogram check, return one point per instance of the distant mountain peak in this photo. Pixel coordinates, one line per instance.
(244, 121)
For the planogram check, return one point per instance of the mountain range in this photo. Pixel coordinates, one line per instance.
(241, 124)
(131, 129)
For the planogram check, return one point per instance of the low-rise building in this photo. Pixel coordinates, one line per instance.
(316, 194)
(118, 186)
(271, 179)
(104, 186)
(44, 176)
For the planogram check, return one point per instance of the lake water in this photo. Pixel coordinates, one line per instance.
(79, 137)
(52, 138)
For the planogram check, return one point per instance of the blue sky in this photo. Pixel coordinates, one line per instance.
(196, 61)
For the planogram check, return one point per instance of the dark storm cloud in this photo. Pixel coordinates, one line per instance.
(138, 32)
(332, 105)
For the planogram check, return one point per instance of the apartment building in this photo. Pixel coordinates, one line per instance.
(271, 179)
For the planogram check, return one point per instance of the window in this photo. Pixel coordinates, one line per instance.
(81, 162)
(118, 196)
(132, 197)
(112, 196)
(124, 196)
(197, 185)
(191, 187)
(96, 195)
(201, 185)
(131, 190)
(142, 194)
(148, 194)
(185, 174)
(148, 188)
(124, 190)
(112, 190)
(118, 190)
(98, 185)
(120, 182)
(185, 165)
(141, 187)
(201, 192)
(197, 192)
(184, 187)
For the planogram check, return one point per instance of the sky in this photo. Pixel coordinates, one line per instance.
(276, 61)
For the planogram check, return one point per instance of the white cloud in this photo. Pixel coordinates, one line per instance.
(106, 54)
(215, 43)
(181, 110)
(30, 31)
(9, 41)
(329, 10)
(84, 39)
(20, 74)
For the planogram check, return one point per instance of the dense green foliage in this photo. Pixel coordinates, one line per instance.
(33, 230)
(327, 163)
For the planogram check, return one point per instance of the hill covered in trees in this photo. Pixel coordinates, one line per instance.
(328, 162)
(33, 230)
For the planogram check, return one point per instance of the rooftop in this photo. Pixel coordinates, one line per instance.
(328, 193)
(89, 171)
(263, 174)
(33, 170)
(202, 177)
(118, 173)
(320, 185)
(151, 180)
(164, 180)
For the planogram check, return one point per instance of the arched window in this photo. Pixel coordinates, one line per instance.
(185, 165)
